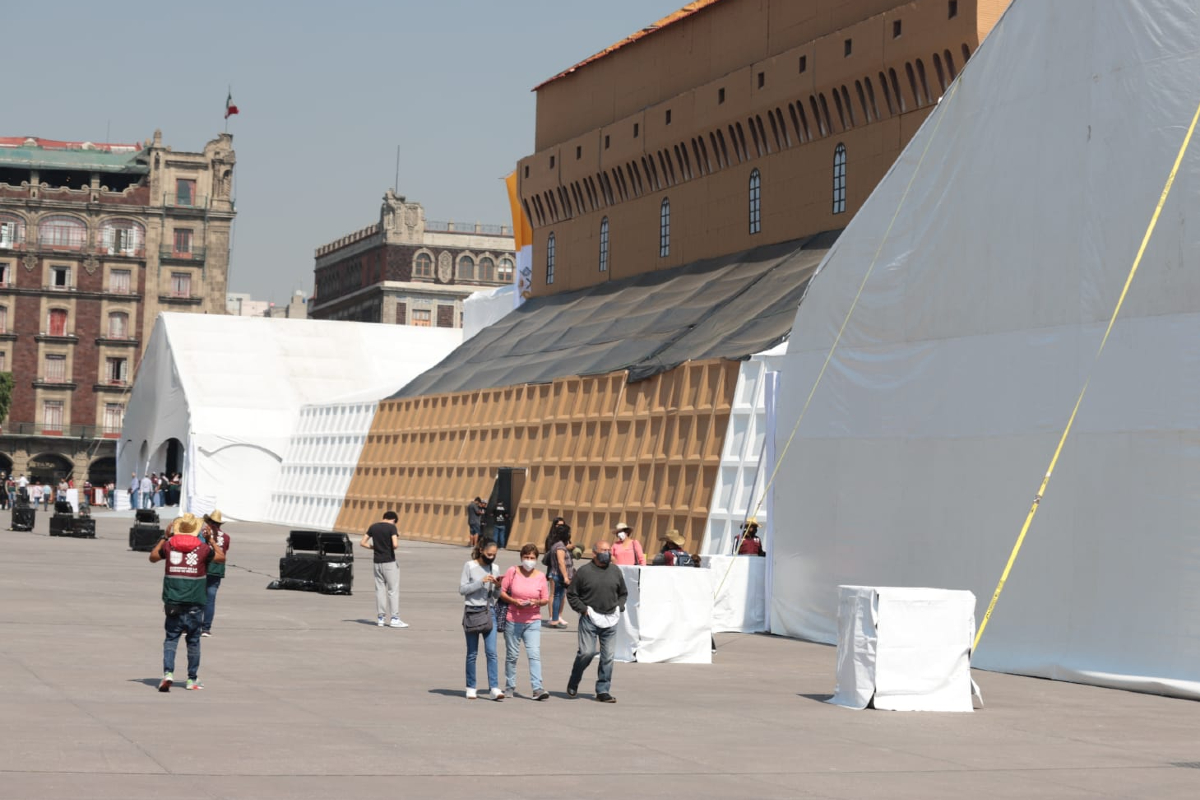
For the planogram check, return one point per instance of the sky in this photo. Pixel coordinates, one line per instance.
(326, 92)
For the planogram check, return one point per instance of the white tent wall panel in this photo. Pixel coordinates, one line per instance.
(739, 486)
(937, 417)
(320, 462)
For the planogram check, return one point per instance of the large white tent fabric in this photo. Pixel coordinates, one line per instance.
(481, 309)
(1000, 242)
(229, 391)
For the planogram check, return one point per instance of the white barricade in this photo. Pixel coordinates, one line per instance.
(740, 593)
(668, 616)
(908, 649)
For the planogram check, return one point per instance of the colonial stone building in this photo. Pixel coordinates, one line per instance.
(404, 270)
(95, 241)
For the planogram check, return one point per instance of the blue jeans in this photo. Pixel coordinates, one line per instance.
(500, 534)
(158, 499)
(489, 649)
(560, 593)
(531, 634)
(214, 583)
(588, 634)
(188, 622)
(133, 500)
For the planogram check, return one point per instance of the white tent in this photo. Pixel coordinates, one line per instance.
(223, 395)
(1000, 242)
(485, 307)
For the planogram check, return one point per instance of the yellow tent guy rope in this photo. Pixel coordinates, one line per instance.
(1037, 499)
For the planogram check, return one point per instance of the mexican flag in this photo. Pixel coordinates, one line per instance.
(230, 108)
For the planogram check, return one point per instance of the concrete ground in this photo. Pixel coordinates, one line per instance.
(306, 698)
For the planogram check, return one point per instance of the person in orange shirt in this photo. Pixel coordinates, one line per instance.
(626, 550)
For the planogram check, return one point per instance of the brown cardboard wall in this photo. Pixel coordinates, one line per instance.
(597, 450)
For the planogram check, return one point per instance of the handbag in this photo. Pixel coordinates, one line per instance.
(501, 606)
(477, 619)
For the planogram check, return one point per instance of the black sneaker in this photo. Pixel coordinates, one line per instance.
(605, 697)
(572, 691)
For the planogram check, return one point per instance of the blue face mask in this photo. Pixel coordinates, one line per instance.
(603, 559)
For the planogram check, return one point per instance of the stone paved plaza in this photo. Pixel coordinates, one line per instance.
(306, 698)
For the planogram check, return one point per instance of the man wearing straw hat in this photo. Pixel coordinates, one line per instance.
(673, 554)
(213, 534)
(184, 593)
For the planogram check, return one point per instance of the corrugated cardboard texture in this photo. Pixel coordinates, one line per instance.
(597, 450)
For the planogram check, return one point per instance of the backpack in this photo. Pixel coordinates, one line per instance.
(682, 558)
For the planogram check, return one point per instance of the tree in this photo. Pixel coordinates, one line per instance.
(6, 387)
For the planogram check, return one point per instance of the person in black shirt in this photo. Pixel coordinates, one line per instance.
(383, 539)
(475, 510)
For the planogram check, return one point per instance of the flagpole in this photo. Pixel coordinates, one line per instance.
(228, 94)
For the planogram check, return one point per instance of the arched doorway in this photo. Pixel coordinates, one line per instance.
(103, 471)
(6, 465)
(174, 457)
(50, 468)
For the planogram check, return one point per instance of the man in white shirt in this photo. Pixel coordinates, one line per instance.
(147, 492)
(23, 482)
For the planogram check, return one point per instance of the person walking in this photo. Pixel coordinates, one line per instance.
(184, 594)
(146, 492)
(382, 538)
(475, 510)
(598, 595)
(627, 551)
(561, 571)
(213, 534)
(524, 589)
(134, 490)
(500, 526)
(480, 586)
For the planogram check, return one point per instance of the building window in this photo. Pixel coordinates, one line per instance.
(56, 369)
(118, 325)
(114, 417)
(551, 162)
(762, 79)
(120, 281)
(896, 29)
(720, 95)
(4, 276)
(487, 270)
(52, 415)
(60, 277)
(114, 369)
(183, 242)
(668, 116)
(755, 202)
(550, 259)
(3, 361)
(422, 318)
(466, 268)
(59, 232)
(664, 229)
(423, 266)
(56, 324)
(839, 179)
(604, 245)
(636, 129)
(12, 231)
(3, 319)
(122, 237)
(505, 273)
(848, 46)
(803, 64)
(606, 141)
(181, 284)
(578, 152)
(953, 9)
(185, 192)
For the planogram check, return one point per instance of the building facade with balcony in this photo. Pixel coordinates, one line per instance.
(95, 241)
(404, 270)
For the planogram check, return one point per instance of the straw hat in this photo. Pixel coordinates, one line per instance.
(187, 525)
(214, 517)
(675, 537)
(622, 526)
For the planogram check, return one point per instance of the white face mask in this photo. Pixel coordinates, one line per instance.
(622, 535)
(529, 563)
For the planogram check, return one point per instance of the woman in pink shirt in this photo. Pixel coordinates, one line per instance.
(524, 589)
(625, 549)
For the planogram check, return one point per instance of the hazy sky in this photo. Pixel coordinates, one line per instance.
(326, 92)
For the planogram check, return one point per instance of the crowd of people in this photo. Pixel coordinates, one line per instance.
(155, 490)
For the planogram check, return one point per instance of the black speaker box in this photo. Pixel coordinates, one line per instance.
(142, 538)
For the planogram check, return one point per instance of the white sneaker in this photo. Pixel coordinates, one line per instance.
(471, 694)
(497, 694)
(397, 623)
(379, 620)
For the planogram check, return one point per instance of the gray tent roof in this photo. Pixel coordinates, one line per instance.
(727, 307)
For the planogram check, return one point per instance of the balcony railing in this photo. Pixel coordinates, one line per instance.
(194, 255)
(121, 252)
(65, 431)
(184, 201)
(468, 227)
